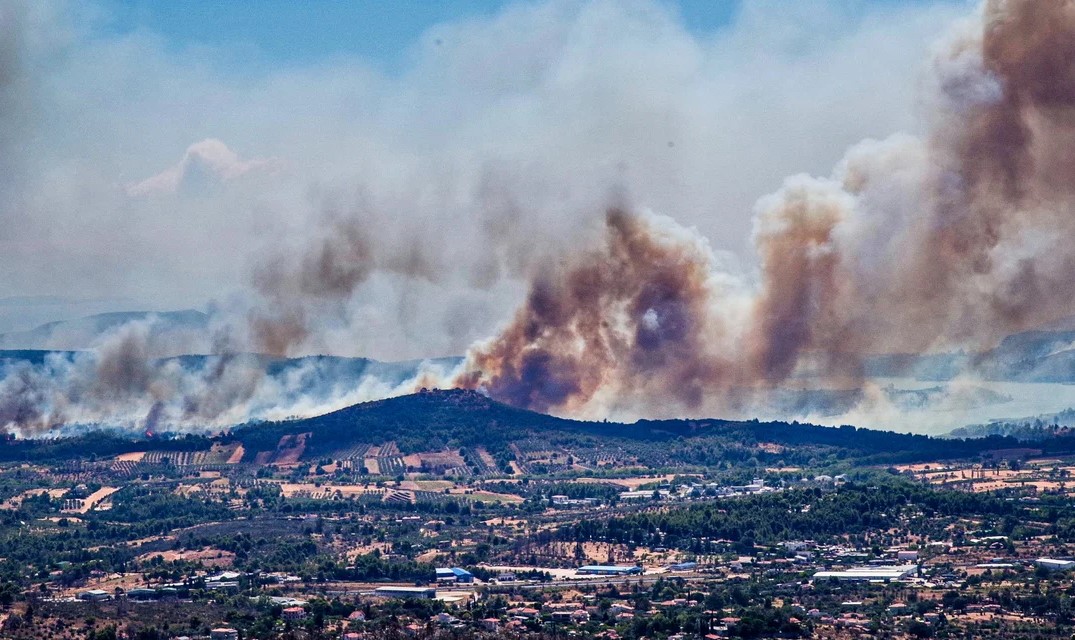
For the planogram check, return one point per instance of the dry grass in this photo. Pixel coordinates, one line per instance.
(16, 501)
(630, 483)
(209, 556)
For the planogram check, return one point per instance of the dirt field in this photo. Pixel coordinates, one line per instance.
(361, 550)
(292, 489)
(1041, 474)
(486, 496)
(16, 501)
(125, 581)
(237, 455)
(290, 449)
(94, 499)
(209, 557)
(427, 485)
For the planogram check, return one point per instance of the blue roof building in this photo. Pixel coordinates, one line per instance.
(455, 574)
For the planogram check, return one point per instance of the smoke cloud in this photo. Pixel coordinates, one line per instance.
(401, 216)
(951, 240)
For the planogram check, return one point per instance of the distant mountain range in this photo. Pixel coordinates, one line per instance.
(1029, 356)
(1044, 355)
(172, 332)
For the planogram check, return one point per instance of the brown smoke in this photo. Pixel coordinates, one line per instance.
(951, 241)
(632, 315)
(328, 271)
(319, 279)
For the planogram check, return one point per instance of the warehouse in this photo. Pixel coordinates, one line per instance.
(1052, 564)
(608, 570)
(455, 574)
(424, 593)
(864, 574)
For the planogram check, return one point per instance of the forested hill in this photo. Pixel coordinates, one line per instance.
(430, 420)
(440, 419)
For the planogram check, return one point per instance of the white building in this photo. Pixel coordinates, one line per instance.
(425, 593)
(1051, 564)
(866, 574)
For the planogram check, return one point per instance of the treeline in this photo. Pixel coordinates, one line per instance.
(95, 444)
(789, 515)
(434, 420)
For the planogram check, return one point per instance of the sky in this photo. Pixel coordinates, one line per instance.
(166, 155)
(275, 32)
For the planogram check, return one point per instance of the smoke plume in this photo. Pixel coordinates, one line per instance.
(952, 240)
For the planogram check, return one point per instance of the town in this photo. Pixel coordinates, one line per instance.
(589, 536)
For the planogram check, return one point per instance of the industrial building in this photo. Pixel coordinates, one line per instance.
(95, 595)
(608, 570)
(425, 593)
(1052, 564)
(141, 593)
(454, 575)
(866, 574)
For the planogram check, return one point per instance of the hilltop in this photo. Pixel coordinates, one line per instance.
(440, 419)
(455, 419)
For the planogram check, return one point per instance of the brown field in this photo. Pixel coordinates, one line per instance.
(441, 458)
(94, 499)
(237, 455)
(363, 549)
(134, 456)
(430, 556)
(208, 556)
(385, 450)
(16, 501)
(486, 457)
(292, 489)
(1040, 475)
(427, 485)
(487, 496)
(125, 581)
(290, 449)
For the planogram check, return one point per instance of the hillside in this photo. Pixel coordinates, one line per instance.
(438, 419)
(442, 420)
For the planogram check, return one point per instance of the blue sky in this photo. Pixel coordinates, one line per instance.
(293, 31)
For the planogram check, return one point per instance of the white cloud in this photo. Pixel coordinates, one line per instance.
(205, 163)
